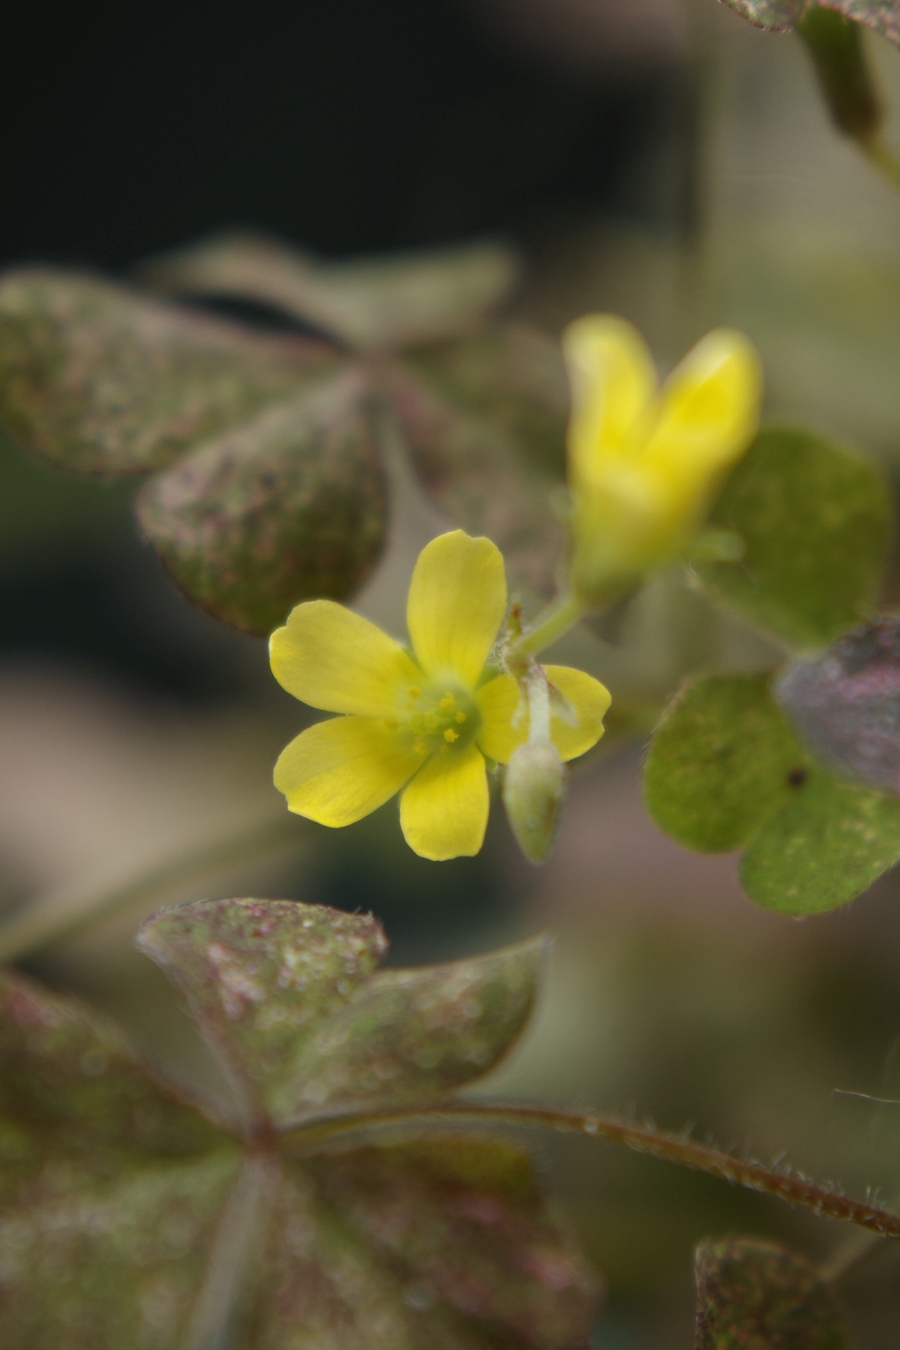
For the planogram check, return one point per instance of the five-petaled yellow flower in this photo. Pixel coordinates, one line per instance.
(644, 462)
(424, 719)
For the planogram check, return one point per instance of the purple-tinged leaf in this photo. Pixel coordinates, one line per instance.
(845, 703)
(104, 1264)
(410, 1037)
(473, 471)
(444, 1243)
(69, 1086)
(372, 302)
(288, 507)
(779, 15)
(259, 975)
(97, 378)
(758, 1294)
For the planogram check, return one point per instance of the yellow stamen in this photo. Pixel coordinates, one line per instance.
(420, 748)
(447, 702)
(414, 691)
(450, 735)
(460, 717)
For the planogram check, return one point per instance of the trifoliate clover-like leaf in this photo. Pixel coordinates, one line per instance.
(815, 520)
(883, 16)
(288, 997)
(274, 497)
(752, 1293)
(726, 770)
(288, 507)
(128, 1218)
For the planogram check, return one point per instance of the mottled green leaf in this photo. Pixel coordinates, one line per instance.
(472, 469)
(723, 759)
(760, 1296)
(288, 507)
(825, 846)
(846, 703)
(510, 375)
(96, 378)
(815, 519)
(104, 1265)
(408, 1037)
(378, 302)
(286, 994)
(439, 1244)
(259, 975)
(776, 14)
(70, 1087)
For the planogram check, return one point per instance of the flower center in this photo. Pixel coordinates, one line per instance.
(440, 717)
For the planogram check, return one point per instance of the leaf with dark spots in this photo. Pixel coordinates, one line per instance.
(473, 471)
(68, 1084)
(723, 759)
(90, 1264)
(367, 303)
(752, 1295)
(845, 703)
(815, 520)
(259, 975)
(514, 377)
(824, 846)
(409, 1037)
(288, 507)
(779, 15)
(97, 378)
(439, 1244)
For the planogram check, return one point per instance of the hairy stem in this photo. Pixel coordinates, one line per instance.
(63, 913)
(551, 624)
(793, 1188)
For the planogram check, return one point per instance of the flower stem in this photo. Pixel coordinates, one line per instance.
(63, 913)
(884, 160)
(556, 619)
(675, 1148)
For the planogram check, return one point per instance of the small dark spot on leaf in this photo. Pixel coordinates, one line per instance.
(797, 777)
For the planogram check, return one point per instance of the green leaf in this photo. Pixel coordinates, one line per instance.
(846, 703)
(286, 995)
(438, 1244)
(826, 845)
(758, 1294)
(815, 519)
(722, 760)
(96, 378)
(285, 508)
(474, 472)
(378, 302)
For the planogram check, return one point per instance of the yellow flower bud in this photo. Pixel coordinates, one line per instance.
(533, 793)
(645, 462)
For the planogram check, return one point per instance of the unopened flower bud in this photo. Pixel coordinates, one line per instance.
(533, 794)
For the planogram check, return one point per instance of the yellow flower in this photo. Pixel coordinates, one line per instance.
(423, 719)
(644, 463)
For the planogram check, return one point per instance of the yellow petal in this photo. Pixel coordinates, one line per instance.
(457, 600)
(613, 382)
(498, 702)
(708, 415)
(340, 770)
(333, 659)
(444, 810)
